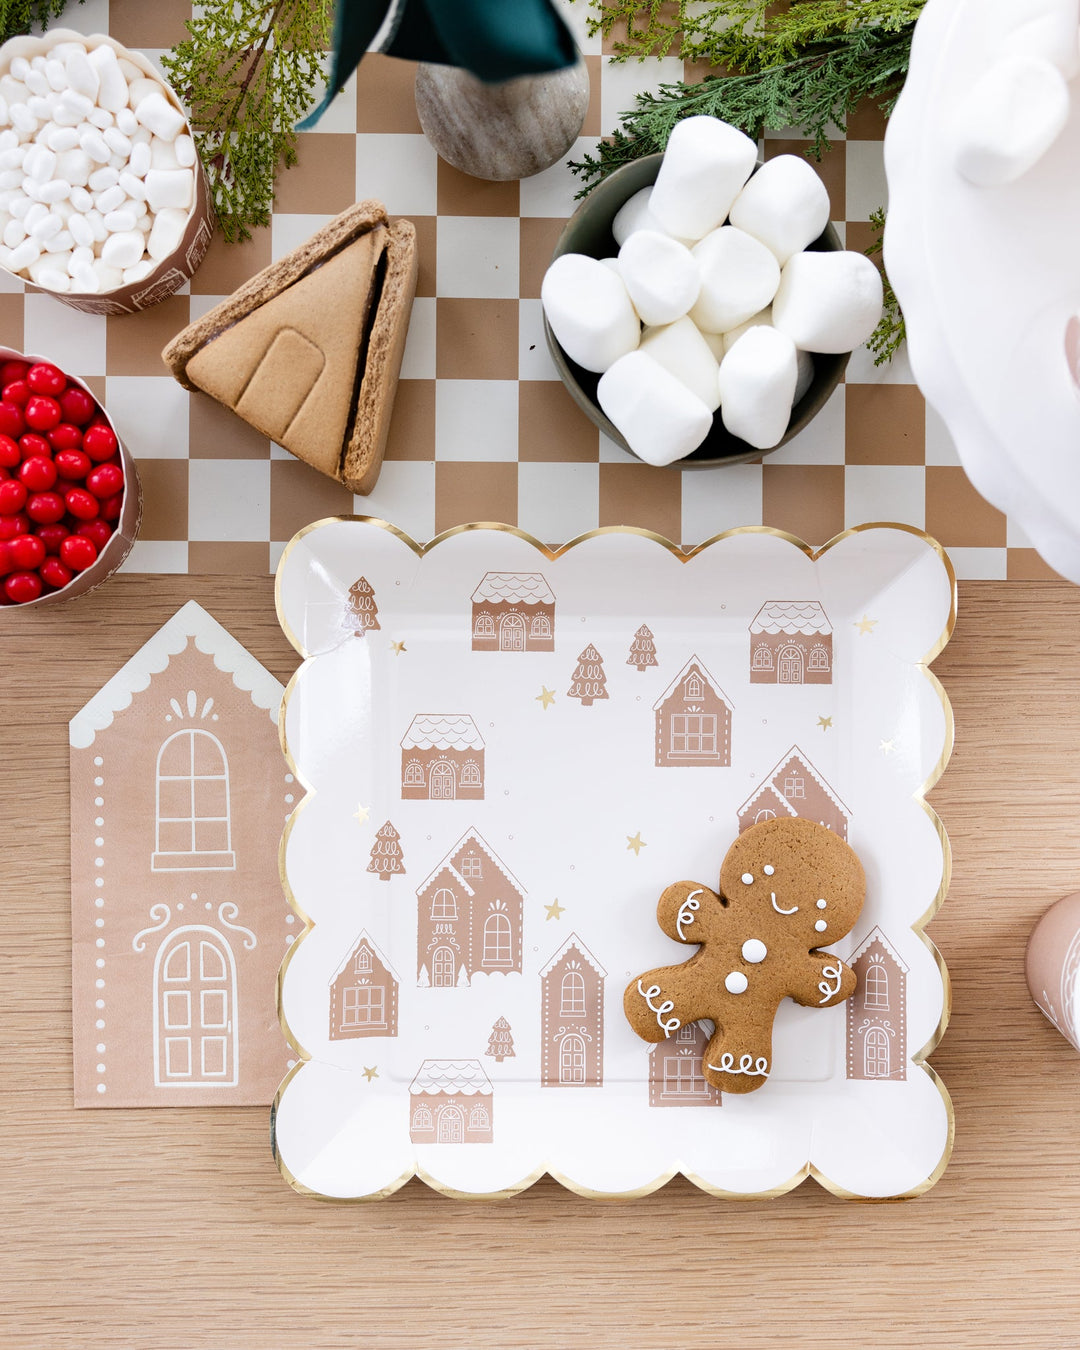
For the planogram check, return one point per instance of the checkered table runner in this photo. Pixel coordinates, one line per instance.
(482, 428)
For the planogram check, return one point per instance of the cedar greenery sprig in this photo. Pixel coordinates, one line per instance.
(248, 73)
(888, 337)
(19, 16)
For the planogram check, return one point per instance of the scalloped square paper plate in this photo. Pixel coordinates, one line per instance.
(508, 751)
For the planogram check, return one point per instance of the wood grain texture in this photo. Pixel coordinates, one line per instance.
(171, 1229)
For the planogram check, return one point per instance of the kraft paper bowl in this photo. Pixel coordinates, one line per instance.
(179, 266)
(127, 527)
(589, 231)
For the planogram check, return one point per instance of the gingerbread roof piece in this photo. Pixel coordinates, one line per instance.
(308, 351)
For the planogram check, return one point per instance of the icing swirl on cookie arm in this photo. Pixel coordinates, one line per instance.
(827, 988)
(687, 910)
(666, 1024)
(748, 1065)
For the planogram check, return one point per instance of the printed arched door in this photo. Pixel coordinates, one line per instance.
(790, 666)
(441, 786)
(572, 1060)
(511, 633)
(876, 1053)
(442, 968)
(451, 1126)
(196, 1023)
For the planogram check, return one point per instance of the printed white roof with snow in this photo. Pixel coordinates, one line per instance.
(442, 731)
(791, 616)
(528, 588)
(466, 1076)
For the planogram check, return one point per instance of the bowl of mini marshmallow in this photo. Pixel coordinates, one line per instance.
(699, 307)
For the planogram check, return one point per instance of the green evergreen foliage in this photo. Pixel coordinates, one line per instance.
(248, 72)
(888, 336)
(19, 16)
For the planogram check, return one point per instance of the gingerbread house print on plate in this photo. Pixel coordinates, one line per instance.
(178, 798)
(572, 1018)
(791, 643)
(693, 721)
(451, 1101)
(513, 612)
(442, 758)
(470, 917)
(363, 994)
(795, 788)
(876, 1012)
(675, 1077)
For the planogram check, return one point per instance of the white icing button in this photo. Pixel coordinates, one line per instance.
(736, 982)
(747, 878)
(754, 950)
(769, 869)
(821, 925)
(821, 904)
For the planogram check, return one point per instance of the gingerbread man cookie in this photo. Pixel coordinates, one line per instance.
(786, 886)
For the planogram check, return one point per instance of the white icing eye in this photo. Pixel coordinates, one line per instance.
(769, 869)
(821, 925)
(736, 982)
(821, 904)
(747, 878)
(754, 950)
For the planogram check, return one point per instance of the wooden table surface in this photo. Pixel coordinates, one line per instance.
(172, 1228)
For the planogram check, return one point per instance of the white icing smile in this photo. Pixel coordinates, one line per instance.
(772, 896)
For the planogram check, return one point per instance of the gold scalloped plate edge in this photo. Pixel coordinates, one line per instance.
(919, 1060)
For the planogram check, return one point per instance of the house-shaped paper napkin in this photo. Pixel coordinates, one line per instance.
(179, 794)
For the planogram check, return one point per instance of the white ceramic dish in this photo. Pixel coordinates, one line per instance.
(535, 831)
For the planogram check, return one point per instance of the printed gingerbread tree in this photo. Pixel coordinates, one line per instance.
(361, 612)
(500, 1042)
(589, 681)
(642, 650)
(386, 855)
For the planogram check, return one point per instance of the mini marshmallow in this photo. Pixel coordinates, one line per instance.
(757, 387)
(703, 170)
(56, 75)
(145, 222)
(113, 92)
(762, 318)
(141, 89)
(9, 140)
(117, 142)
(126, 122)
(55, 190)
(160, 117)
(170, 188)
(20, 207)
(785, 205)
(139, 164)
(162, 155)
(110, 199)
(47, 273)
(120, 222)
(13, 91)
(75, 166)
(84, 278)
(37, 212)
(96, 221)
(21, 257)
(42, 108)
(124, 249)
(133, 186)
(658, 416)
(139, 272)
(11, 178)
(102, 179)
(660, 275)
(81, 75)
(165, 236)
(184, 149)
(39, 163)
(82, 253)
(108, 277)
(129, 69)
(70, 101)
(739, 277)
(80, 231)
(38, 63)
(62, 138)
(37, 83)
(22, 119)
(93, 143)
(81, 200)
(12, 159)
(682, 350)
(828, 302)
(1009, 120)
(100, 118)
(20, 68)
(46, 228)
(61, 243)
(589, 311)
(14, 233)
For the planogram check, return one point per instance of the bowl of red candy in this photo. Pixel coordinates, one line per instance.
(69, 493)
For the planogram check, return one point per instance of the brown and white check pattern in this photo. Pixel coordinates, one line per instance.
(482, 428)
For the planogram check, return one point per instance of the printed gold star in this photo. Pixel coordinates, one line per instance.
(371, 1073)
(556, 910)
(866, 625)
(361, 813)
(636, 843)
(887, 747)
(824, 723)
(396, 647)
(546, 697)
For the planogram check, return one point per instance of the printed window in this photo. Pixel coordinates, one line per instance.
(685, 1033)
(479, 1118)
(876, 991)
(572, 1003)
(192, 795)
(683, 1077)
(363, 1006)
(471, 867)
(763, 659)
(414, 772)
(819, 659)
(497, 940)
(444, 905)
(540, 626)
(693, 686)
(422, 1118)
(485, 626)
(794, 787)
(693, 733)
(470, 774)
(363, 962)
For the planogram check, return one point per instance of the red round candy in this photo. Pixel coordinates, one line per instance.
(99, 441)
(13, 496)
(18, 391)
(77, 406)
(99, 532)
(42, 413)
(38, 473)
(112, 507)
(65, 485)
(13, 370)
(45, 378)
(7, 562)
(46, 508)
(52, 536)
(10, 454)
(78, 552)
(65, 436)
(10, 526)
(54, 573)
(30, 443)
(22, 587)
(27, 551)
(11, 419)
(72, 463)
(81, 504)
(106, 480)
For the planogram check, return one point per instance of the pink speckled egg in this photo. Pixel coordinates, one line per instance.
(1053, 966)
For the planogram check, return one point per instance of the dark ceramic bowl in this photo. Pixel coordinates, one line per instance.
(589, 231)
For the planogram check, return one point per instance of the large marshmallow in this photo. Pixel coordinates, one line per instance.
(659, 417)
(828, 302)
(757, 386)
(729, 339)
(113, 89)
(1044, 28)
(589, 311)
(739, 277)
(683, 351)
(634, 214)
(703, 170)
(660, 275)
(1009, 120)
(159, 116)
(785, 205)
